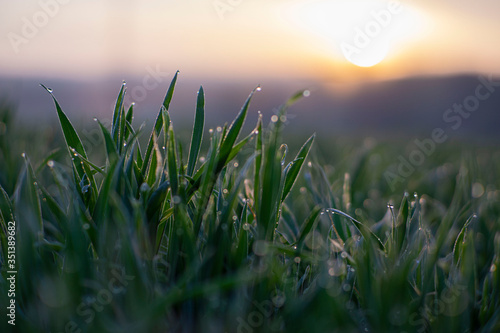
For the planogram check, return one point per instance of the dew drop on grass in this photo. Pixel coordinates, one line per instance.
(23, 154)
(202, 159)
(246, 226)
(309, 164)
(274, 118)
(236, 164)
(225, 191)
(176, 199)
(50, 90)
(297, 260)
(390, 206)
(86, 226)
(219, 129)
(258, 88)
(306, 93)
(210, 131)
(50, 164)
(283, 119)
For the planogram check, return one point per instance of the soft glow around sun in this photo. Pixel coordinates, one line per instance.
(363, 33)
(367, 57)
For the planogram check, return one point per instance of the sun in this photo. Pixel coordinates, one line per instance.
(362, 33)
(366, 57)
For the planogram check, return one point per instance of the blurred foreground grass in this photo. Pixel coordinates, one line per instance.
(236, 235)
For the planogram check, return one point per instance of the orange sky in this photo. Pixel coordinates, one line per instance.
(245, 38)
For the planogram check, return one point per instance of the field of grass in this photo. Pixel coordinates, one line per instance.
(230, 232)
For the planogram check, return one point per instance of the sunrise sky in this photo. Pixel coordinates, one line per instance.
(248, 38)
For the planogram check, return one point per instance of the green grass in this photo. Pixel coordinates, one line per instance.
(243, 237)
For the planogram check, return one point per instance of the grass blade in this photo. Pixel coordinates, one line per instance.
(197, 136)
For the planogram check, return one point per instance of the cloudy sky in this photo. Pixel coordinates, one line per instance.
(313, 39)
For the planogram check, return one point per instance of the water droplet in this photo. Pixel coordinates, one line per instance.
(86, 226)
(390, 206)
(477, 190)
(297, 260)
(259, 112)
(132, 104)
(50, 90)
(50, 164)
(35, 183)
(124, 144)
(95, 119)
(236, 164)
(225, 191)
(309, 164)
(210, 131)
(246, 226)
(235, 217)
(202, 159)
(144, 187)
(306, 93)
(124, 83)
(256, 132)
(258, 88)
(274, 118)
(176, 199)
(163, 148)
(23, 154)
(283, 119)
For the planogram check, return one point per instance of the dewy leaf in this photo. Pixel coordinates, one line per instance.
(294, 169)
(110, 147)
(197, 136)
(73, 142)
(158, 124)
(70, 135)
(117, 115)
(233, 132)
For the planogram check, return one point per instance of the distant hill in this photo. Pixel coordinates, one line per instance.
(408, 107)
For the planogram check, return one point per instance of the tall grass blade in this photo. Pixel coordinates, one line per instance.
(197, 135)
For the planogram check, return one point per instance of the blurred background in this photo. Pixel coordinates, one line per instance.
(382, 69)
